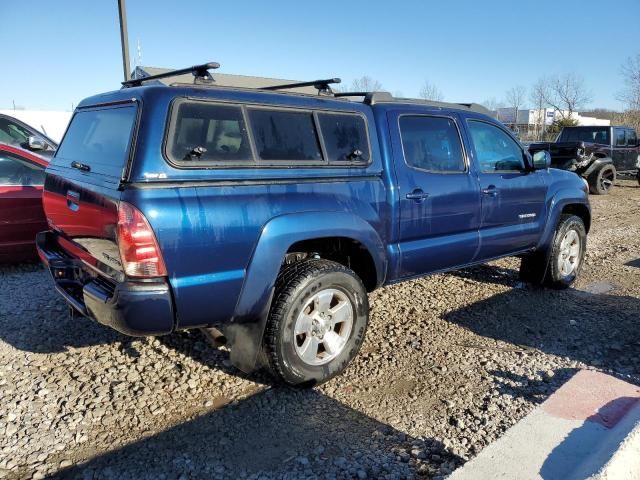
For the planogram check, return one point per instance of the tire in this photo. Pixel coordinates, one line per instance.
(565, 259)
(324, 290)
(638, 177)
(601, 181)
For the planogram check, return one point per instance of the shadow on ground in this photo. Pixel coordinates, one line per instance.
(584, 441)
(302, 432)
(600, 330)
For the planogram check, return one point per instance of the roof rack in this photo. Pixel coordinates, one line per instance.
(351, 94)
(199, 72)
(371, 98)
(323, 86)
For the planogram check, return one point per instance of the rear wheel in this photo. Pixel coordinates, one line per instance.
(601, 181)
(317, 322)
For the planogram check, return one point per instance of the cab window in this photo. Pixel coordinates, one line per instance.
(432, 144)
(495, 150)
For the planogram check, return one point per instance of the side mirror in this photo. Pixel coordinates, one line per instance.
(541, 160)
(36, 143)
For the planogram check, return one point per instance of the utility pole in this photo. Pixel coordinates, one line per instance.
(124, 38)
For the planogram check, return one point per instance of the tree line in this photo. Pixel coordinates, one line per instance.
(565, 94)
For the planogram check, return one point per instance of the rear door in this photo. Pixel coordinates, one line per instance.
(82, 185)
(632, 156)
(513, 198)
(438, 195)
(621, 151)
(21, 215)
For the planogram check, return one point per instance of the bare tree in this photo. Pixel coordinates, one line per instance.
(538, 98)
(630, 96)
(492, 104)
(366, 84)
(566, 94)
(515, 98)
(429, 91)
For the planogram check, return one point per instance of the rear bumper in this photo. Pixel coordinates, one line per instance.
(133, 308)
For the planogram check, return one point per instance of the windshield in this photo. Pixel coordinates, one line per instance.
(586, 134)
(98, 139)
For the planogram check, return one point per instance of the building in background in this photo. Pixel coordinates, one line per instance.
(530, 124)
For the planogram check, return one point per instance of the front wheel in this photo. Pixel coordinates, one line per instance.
(559, 266)
(567, 252)
(317, 322)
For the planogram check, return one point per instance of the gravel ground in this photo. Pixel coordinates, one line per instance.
(450, 362)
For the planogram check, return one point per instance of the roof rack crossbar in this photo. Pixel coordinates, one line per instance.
(351, 94)
(198, 71)
(323, 86)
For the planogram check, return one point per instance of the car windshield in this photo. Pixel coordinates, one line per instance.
(586, 134)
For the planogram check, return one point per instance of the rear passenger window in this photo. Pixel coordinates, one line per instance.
(432, 144)
(285, 135)
(632, 139)
(345, 137)
(620, 141)
(203, 131)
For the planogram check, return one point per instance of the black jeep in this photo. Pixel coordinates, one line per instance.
(598, 154)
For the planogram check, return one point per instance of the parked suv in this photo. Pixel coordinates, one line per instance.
(269, 215)
(598, 154)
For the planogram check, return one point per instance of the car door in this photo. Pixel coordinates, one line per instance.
(632, 157)
(513, 197)
(620, 151)
(21, 213)
(438, 196)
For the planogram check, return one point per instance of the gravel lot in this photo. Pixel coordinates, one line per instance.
(450, 362)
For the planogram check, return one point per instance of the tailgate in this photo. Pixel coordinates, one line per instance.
(82, 186)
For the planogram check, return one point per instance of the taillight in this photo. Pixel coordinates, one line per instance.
(138, 247)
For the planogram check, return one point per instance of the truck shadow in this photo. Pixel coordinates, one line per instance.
(302, 432)
(599, 330)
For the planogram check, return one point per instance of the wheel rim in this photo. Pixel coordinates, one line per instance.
(606, 179)
(569, 257)
(323, 327)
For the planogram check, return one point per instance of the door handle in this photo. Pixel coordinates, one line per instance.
(491, 190)
(417, 195)
(73, 200)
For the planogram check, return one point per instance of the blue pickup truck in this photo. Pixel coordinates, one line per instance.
(267, 215)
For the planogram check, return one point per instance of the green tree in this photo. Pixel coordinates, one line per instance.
(554, 129)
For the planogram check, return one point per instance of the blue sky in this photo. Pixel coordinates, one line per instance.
(57, 52)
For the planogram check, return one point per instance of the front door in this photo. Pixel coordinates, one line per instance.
(439, 197)
(513, 197)
(21, 214)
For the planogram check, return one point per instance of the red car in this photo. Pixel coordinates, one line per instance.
(21, 213)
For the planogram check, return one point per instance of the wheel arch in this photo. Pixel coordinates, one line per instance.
(283, 235)
(565, 202)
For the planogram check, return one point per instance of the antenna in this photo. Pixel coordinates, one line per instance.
(321, 85)
(198, 71)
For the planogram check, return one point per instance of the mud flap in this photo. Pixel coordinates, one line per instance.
(244, 338)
